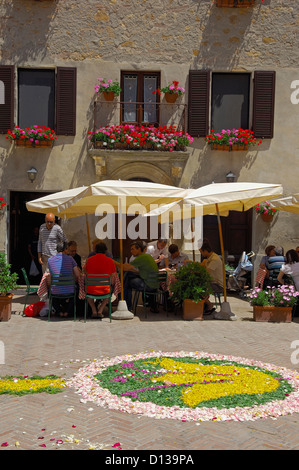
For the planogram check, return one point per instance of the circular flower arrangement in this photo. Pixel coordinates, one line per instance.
(189, 386)
(24, 385)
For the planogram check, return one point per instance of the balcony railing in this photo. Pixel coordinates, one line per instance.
(107, 113)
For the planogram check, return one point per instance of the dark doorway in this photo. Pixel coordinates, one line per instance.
(236, 231)
(21, 227)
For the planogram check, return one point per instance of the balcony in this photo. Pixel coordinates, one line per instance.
(140, 113)
(163, 166)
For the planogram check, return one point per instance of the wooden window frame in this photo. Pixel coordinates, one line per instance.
(140, 95)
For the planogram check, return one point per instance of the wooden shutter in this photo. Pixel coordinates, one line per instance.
(7, 109)
(66, 101)
(263, 104)
(198, 103)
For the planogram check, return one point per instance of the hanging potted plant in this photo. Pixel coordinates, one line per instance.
(171, 91)
(8, 283)
(191, 288)
(265, 210)
(273, 304)
(109, 88)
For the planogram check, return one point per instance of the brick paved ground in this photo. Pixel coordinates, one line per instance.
(61, 347)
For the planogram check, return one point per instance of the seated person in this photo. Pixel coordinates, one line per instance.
(291, 267)
(213, 265)
(137, 274)
(158, 250)
(99, 263)
(93, 252)
(275, 262)
(175, 257)
(64, 265)
(72, 251)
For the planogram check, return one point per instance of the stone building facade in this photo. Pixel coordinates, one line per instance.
(172, 40)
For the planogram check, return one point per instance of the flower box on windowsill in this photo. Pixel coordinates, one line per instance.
(235, 3)
(29, 143)
(230, 148)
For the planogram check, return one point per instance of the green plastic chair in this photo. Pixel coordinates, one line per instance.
(29, 289)
(97, 280)
(158, 294)
(62, 281)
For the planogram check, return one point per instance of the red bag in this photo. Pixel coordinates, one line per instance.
(34, 309)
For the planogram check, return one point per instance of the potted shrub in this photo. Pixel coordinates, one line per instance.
(274, 304)
(265, 210)
(231, 139)
(191, 287)
(172, 91)
(109, 88)
(8, 282)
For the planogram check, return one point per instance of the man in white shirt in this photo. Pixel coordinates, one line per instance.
(49, 235)
(158, 250)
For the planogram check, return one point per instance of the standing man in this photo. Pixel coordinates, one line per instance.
(49, 235)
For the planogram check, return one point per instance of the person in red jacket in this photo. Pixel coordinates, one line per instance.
(99, 264)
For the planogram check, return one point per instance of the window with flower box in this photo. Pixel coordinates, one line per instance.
(47, 95)
(212, 96)
(139, 102)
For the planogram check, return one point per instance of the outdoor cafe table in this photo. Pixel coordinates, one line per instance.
(46, 279)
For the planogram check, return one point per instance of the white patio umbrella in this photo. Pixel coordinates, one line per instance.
(287, 204)
(220, 198)
(117, 197)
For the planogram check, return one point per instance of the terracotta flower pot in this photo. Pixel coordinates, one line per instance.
(267, 217)
(44, 143)
(272, 314)
(108, 95)
(5, 307)
(171, 97)
(193, 310)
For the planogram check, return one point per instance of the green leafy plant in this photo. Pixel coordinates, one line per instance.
(108, 85)
(8, 280)
(192, 281)
(264, 208)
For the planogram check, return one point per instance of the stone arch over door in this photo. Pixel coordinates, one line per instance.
(142, 170)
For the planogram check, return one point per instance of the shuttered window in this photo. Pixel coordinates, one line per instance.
(6, 98)
(198, 108)
(64, 97)
(66, 101)
(263, 104)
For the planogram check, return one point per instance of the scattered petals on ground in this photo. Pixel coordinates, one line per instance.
(189, 386)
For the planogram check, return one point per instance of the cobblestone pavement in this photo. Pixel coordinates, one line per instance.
(34, 346)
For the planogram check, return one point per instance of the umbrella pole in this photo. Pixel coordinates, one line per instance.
(222, 251)
(121, 251)
(88, 233)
